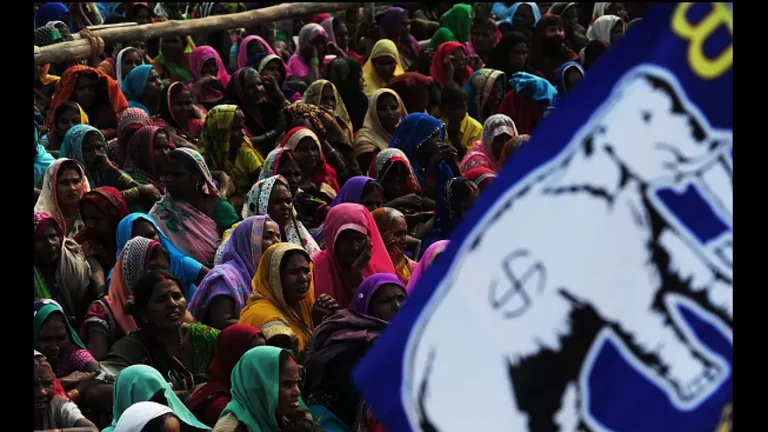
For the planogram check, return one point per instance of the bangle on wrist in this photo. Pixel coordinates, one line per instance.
(314, 61)
(73, 395)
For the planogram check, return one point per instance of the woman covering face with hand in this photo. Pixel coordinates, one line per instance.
(305, 63)
(354, 251)
(211, 77)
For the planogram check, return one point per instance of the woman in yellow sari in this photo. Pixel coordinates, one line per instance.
(324, 94)
(382, 65)
(385, 110)
(226, 148)
(283, 299)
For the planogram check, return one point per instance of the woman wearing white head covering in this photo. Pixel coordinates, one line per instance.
(139, 415)
(603, 29)
(598, 9)
(120, 73)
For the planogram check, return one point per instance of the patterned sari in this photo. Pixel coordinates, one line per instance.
(257, 204)
(314, 93)
(140, 161)
(107, 314)
(482, 155)
(216, 147)
(111, 204)
(479, 88)
(385, 161)
(189, 229)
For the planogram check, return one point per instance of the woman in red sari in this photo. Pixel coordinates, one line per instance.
(449, 64)
(179, 116)
(102, 209)
(96, 93)
(318, 176)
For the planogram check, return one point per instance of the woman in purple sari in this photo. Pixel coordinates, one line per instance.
(224, 291)
(360, 190)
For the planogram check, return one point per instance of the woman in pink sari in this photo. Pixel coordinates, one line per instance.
(425, 262)
(249, 47)
(306, 61)
(497, 130)
(354, 251)
(192, 213)
(211, 77)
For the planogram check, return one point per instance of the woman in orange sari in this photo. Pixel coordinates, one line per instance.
(96, 93)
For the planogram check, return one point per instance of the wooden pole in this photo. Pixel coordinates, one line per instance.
(81, 48)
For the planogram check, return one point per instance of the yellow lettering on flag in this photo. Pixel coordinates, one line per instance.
(698, 34)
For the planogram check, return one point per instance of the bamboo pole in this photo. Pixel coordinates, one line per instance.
(81, 48)
(94, 28)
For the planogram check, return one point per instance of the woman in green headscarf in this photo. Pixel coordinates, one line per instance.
(142, 383)
(60, 344)
(265, 392)
(171, 64)
(455, 25)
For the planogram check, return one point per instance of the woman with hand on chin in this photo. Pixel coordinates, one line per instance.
(260, 98)
(354, 251)
(305, 64)
(211, 77)
(87, 145)
(179, 116)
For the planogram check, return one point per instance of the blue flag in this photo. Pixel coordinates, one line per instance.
(590, 288)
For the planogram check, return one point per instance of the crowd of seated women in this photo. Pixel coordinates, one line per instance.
(224, 223)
